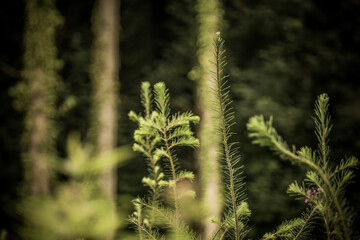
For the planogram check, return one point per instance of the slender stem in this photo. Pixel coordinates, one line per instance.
(174, 179)
(164, 130)
(224, 233)
(219, 229)
(323, 144)
(156, 187)
(139, 221)
(327, 227)
(153, 166)
(339, 170)
(217, 232)
(141, 228)
(306, 221)
(337, 205)
(147, 106)
(333, 194)
(225, 143)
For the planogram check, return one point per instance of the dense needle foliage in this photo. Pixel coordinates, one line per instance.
(157, 137)
(77, 208)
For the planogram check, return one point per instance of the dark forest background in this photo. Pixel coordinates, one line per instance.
(281, 55)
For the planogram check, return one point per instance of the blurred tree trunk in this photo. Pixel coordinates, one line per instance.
(37, 94)
(209, 15)
(105, 84)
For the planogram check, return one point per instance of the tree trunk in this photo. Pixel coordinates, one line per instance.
(37, 94)
(105, 83)
(208, 20)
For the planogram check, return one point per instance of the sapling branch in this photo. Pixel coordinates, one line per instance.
(323, 176)
(333, 181)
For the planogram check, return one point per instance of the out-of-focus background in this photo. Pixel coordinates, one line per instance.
(281, 55)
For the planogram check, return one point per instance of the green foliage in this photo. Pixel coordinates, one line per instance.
(77, 208)
(157, 136)
(159, 133)
(323, 188)
(285, 51)
(145, 231)
(147, 145)
(237, 211)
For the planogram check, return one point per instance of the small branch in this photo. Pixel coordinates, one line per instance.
(324, 177)
(323, 139)
(224, 233)
(327, 227)
(174, 179)
(143, 229)
(139, 221)
(306, 221)
(218, 231)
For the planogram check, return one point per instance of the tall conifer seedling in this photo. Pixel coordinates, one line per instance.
(234, 223)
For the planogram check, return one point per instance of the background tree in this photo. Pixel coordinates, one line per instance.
(105, 85)
(37, 94)
(209, 18)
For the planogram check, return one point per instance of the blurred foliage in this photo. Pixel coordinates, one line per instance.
(281, 55)
(77, 208)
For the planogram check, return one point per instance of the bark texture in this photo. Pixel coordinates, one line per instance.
(105, 82)
(37, 94)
